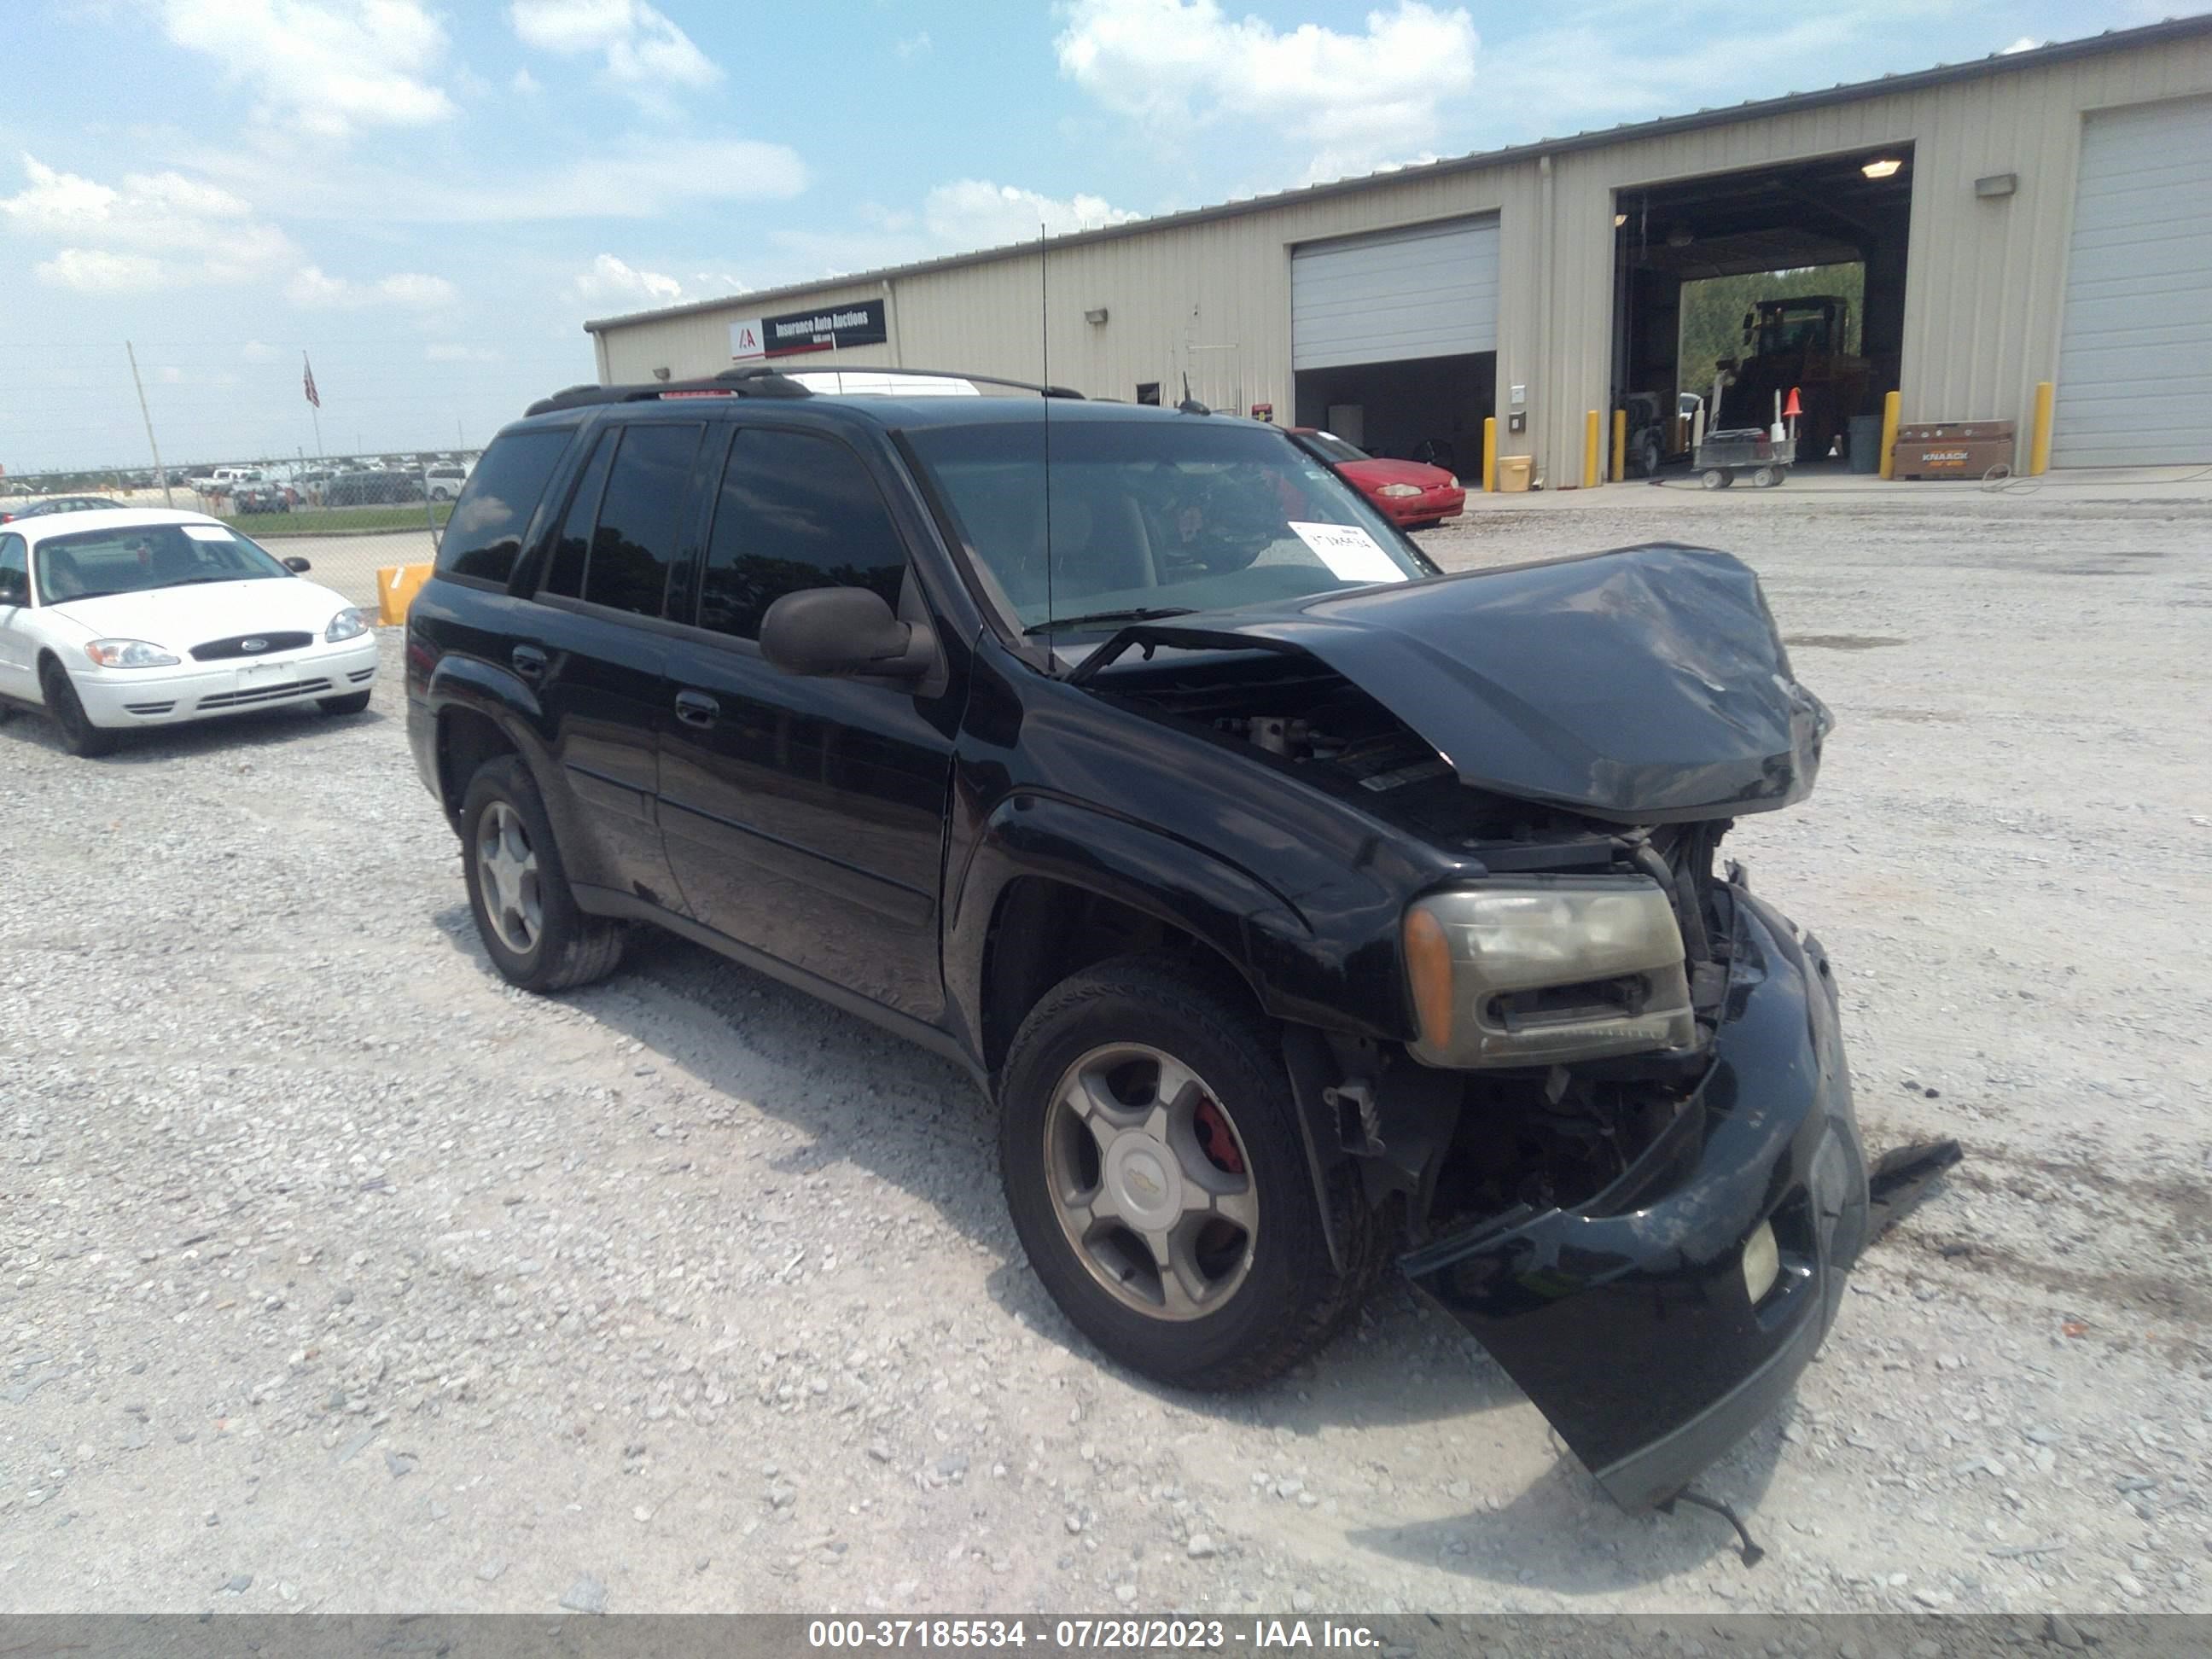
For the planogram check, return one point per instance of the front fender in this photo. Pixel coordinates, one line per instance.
(1297, 971)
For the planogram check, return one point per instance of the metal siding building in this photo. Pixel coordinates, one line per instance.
(1210, 293)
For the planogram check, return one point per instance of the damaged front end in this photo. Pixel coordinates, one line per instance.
(1620, 1132)
(1656, 1318)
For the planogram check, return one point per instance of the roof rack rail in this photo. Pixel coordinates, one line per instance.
(730, 383)
(759, 382)
(943, 375)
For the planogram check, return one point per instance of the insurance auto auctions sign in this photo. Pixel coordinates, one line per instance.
(860, 323)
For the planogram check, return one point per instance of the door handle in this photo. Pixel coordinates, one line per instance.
(697, 708)
(528, 661)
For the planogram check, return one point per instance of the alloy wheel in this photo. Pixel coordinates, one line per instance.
(1150, 1182)
(507, 873)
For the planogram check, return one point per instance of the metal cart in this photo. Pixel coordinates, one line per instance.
(1748, 450)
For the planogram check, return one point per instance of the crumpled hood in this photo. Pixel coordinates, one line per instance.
(1645, 685)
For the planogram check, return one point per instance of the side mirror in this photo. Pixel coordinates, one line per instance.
(298, 566)
(15, 588)
(844, 630)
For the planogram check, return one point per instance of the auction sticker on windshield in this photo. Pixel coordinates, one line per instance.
(1349, 552)
(211, 532)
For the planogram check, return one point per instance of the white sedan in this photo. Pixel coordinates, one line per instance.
(111, 620)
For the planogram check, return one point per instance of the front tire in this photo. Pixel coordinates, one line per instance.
(353, 702)
(519, 893)
(79, 735)
(1156, 1176)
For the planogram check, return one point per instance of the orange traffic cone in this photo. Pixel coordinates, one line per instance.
(1792, 408)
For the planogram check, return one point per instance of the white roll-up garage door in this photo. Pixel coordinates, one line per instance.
(2134, 351)
(1428, 292)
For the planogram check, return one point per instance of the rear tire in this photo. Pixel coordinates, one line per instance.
(1249, 1296)
(519, 893)
(79, 735)
(353, 702)
(1717, 477)
(1766, 477)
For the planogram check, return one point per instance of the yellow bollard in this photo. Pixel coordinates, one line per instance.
(396, 586)
(1619, 445)
(1589, 450)
(1490, 454)
(2039, 453)
(1888, 435)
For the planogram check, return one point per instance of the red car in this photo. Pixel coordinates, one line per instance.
(1411, 494)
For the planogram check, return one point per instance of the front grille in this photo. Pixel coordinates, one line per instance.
(218, 650)
(149, 707)
(263, 694)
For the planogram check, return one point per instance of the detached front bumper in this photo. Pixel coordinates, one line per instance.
(1628, 1320)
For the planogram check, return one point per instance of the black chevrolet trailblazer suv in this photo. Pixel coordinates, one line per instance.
(1296, 904)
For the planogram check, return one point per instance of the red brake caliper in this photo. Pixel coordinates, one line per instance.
(1213, 1135)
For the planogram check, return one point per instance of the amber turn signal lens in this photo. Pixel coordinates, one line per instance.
(1429, 970)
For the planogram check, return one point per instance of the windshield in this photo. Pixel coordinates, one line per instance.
(1334, 447)
(95, 563)
(1153, 517)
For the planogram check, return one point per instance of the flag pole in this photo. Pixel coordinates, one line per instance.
(146, 415)
(314, 403)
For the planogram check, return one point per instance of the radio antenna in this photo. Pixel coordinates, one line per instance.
(1044, 326)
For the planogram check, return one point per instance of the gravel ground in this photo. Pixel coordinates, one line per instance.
(334, 1275)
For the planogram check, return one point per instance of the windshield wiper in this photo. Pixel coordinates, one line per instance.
(1143, 613)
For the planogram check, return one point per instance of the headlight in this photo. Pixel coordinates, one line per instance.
(128, 653)
(1762, 1263)
(1399, 490)
(1544, 969)
(348, 625)
(1455, 483)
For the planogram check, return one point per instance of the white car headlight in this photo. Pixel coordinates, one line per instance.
(128, 653)
(348, 625)
(1540, 970)
(1455, 483)
(1399, 490)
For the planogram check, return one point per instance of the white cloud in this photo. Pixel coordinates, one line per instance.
(1174, 66)
(609, 279)
(172, 375)
(328, 66)
(94, 270)
(642, 50)
(2026, 43)
(447, 351)
(153, 230)
(525, 84)
(959, 217)
(312, 288)
(916, 45)
(256, 352)
(975, 213)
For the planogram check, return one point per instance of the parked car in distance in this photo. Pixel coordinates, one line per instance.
(261, 498)
(1296, 904)
(142, 616)
(444, 481)
(1412, 494)
(59, 504)
(371, 489)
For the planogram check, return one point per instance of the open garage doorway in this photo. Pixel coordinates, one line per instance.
(1425, 409)
(1393, 339)
(1807, 259)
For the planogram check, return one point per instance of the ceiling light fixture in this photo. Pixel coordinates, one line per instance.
(1882, 168)
(1619, 220)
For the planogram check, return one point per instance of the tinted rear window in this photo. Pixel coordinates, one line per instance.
(485, 536)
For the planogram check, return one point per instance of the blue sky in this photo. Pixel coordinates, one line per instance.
(430, 198)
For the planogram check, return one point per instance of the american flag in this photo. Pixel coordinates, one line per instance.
(308, 369)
